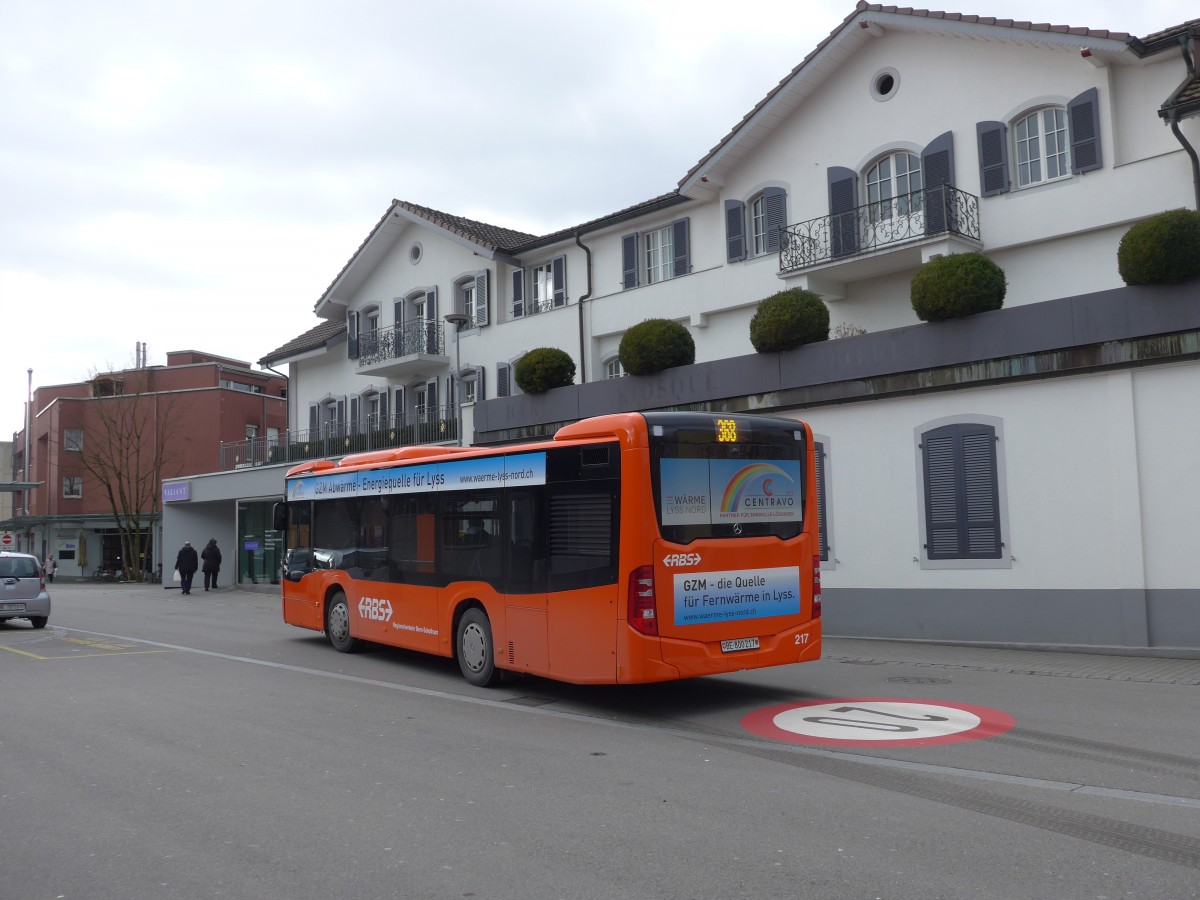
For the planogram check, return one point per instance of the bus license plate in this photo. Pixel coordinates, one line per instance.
(739, 644)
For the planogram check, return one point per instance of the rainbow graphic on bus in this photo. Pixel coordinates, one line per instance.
(759, 490)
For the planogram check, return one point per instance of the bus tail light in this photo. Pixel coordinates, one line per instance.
(641, 614)
(816, 613)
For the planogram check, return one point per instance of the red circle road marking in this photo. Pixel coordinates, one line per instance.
(877, 722)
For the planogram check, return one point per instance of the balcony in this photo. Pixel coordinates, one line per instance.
(437, 426)
(413, 348)
(881, 238)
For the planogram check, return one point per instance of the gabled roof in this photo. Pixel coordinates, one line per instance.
(491, 237)
(313, 339)
(870, 20)
(1185, 100)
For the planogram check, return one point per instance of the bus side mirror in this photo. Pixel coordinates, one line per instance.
(279, 516)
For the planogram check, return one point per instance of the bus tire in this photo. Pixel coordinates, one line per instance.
(476, 651)
(337, 624)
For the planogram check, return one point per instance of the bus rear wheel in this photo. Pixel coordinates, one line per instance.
(476, 652)
(337, 624)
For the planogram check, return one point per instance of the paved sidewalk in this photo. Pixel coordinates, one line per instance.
(1064, 664)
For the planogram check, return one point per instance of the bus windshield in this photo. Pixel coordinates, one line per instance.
(727, 477)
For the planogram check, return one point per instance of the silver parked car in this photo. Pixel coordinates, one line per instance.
(23, 589)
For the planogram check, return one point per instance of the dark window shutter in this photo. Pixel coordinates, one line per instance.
(340, 417)
(481, 298)
(629, 260)
(735, 230)
(502, 375)
(352, 334)
(822, 518)
(775, 206)
(314, 418)
(431, 323)
(480, 384)
(401, 407)
(431, 400)
(962, 502)
(993, 158)
(518, 293)
(843, 217)
(383, 409)
(558, 271)
(353, 429)
(937, 170)
(681, 247)
(1084, 115)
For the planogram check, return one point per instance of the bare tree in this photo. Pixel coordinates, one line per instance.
(126, 451)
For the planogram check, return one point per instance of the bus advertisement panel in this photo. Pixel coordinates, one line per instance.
(631, 548)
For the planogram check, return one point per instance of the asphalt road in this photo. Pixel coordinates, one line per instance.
(153, 746)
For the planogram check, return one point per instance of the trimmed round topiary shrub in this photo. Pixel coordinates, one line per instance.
(654, 345)
(1164, 249)
(788, 319)
(962, 284)
(544, 368)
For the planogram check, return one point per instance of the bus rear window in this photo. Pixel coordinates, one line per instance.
(739, 479)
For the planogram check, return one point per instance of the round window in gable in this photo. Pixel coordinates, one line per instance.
(414, 253)
(884, 84)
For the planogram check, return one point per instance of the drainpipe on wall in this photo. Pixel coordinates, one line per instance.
(1191, 151)
(588, 293)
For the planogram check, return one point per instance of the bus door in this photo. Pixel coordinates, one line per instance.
(411, 570)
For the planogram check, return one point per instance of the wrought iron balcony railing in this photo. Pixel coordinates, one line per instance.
(436, 426)
(407, 339)
(932, 211)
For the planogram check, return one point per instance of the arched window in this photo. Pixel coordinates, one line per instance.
(1041, 147)
(894, 186)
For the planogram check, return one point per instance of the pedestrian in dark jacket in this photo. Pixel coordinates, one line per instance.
(186, 562)
(212, 563)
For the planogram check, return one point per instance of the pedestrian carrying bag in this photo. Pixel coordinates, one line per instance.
(176, 577)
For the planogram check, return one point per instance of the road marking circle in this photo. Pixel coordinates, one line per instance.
(877, 722)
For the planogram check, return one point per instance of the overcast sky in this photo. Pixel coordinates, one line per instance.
(193, 175)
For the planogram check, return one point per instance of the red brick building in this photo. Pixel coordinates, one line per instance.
(150, 422)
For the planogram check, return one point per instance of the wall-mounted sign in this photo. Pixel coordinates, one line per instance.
(176, 492)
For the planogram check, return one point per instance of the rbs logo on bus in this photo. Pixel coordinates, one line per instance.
(675, 560)
(375, 609)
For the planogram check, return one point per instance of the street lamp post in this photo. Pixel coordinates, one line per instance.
(458, 320)
(25, 477)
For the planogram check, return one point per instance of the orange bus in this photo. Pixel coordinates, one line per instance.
(635, 547)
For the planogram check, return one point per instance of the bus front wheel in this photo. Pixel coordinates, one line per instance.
(337, 624)
(476, 652)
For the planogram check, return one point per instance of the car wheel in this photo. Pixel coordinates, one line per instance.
(337, 625)
(476, 653)
(38, 621)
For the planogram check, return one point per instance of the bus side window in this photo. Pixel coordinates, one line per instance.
(527, 550)
(298, 560)
(410, 553)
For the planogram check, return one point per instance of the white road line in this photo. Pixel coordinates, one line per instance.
(506, 704)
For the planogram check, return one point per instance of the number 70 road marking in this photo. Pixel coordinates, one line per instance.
(877, 722)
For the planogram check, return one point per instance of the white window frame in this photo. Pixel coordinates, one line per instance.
(613, 368)
(541, 288)
(658, 254)
(758, 224)
(1033, 168)
(73, 487)
(883, 192)
(73, 439)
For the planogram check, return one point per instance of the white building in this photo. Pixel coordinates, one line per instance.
(1069, 418)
